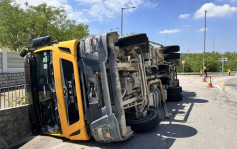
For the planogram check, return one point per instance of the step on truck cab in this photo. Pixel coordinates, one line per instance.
(100, 86)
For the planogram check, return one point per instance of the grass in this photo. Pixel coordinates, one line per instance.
(10, 97)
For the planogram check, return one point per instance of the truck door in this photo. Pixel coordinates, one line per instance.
(68, 91)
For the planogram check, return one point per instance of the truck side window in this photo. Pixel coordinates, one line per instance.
(47, 99)
(69, 89)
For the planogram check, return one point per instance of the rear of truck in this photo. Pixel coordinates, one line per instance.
(167, 69)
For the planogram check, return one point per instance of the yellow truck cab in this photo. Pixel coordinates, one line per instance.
(60, 59)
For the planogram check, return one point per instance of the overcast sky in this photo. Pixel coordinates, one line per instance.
(174, 22)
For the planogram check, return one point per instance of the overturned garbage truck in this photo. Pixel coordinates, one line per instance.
(104, 86)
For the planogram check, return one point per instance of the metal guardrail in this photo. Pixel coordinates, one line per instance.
(12, 96)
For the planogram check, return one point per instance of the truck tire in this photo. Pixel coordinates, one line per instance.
(164, 80)
(174, 98)
(174, 90)
(163, 67)
(170, 49)
(171, 56)
(131, 40)
(146, 124)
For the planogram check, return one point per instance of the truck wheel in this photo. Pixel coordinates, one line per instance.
(131, 40)
(163, 67)
(164, 80)
(171, 56)
(146, 124)
(170, 49)
(174, 90)
(174, 98)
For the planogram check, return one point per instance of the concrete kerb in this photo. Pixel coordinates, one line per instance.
(14, 126)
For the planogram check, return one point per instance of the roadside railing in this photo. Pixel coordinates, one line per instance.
(12, 96)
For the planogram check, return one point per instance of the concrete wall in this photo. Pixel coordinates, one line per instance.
(11, 79)
(14, 126)
(0, 61)
(11, 62)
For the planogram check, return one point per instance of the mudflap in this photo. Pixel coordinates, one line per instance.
(106, 129)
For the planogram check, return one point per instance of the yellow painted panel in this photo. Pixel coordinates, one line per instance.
(57, 55)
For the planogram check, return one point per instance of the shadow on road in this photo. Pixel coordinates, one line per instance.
(22, 142)
(162, 137)
(188, 101)
(231, 85)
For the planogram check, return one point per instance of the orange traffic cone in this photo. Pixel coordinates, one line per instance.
(210, 83)
(204, 78)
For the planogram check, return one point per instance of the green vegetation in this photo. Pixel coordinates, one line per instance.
(194, 62)
(18, 101)
(19, 26)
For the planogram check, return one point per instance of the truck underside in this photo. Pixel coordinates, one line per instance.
(104, 86)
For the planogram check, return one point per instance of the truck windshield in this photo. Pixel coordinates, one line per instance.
(46, 93)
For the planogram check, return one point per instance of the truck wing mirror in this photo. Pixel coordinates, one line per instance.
(24, 51)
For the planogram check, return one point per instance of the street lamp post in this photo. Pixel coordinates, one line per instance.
(222, 64)
(122, 18)
(213, 48)
(165, 38)
(204, 39)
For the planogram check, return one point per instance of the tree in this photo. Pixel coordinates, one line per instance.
(194, 62)
(18, 26)
(11, 25)
(70, 30)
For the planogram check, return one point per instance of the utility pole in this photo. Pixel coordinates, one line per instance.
(222, 64)
(165, 38)
(122, 21)
(183, 68)
(213, 44)
(204, 39)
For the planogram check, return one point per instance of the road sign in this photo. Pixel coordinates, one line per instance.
(223, 59)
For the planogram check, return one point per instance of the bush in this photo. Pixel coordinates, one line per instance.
(194, 62)
(18, 101)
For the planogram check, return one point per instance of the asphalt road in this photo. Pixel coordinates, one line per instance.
(206, 118)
